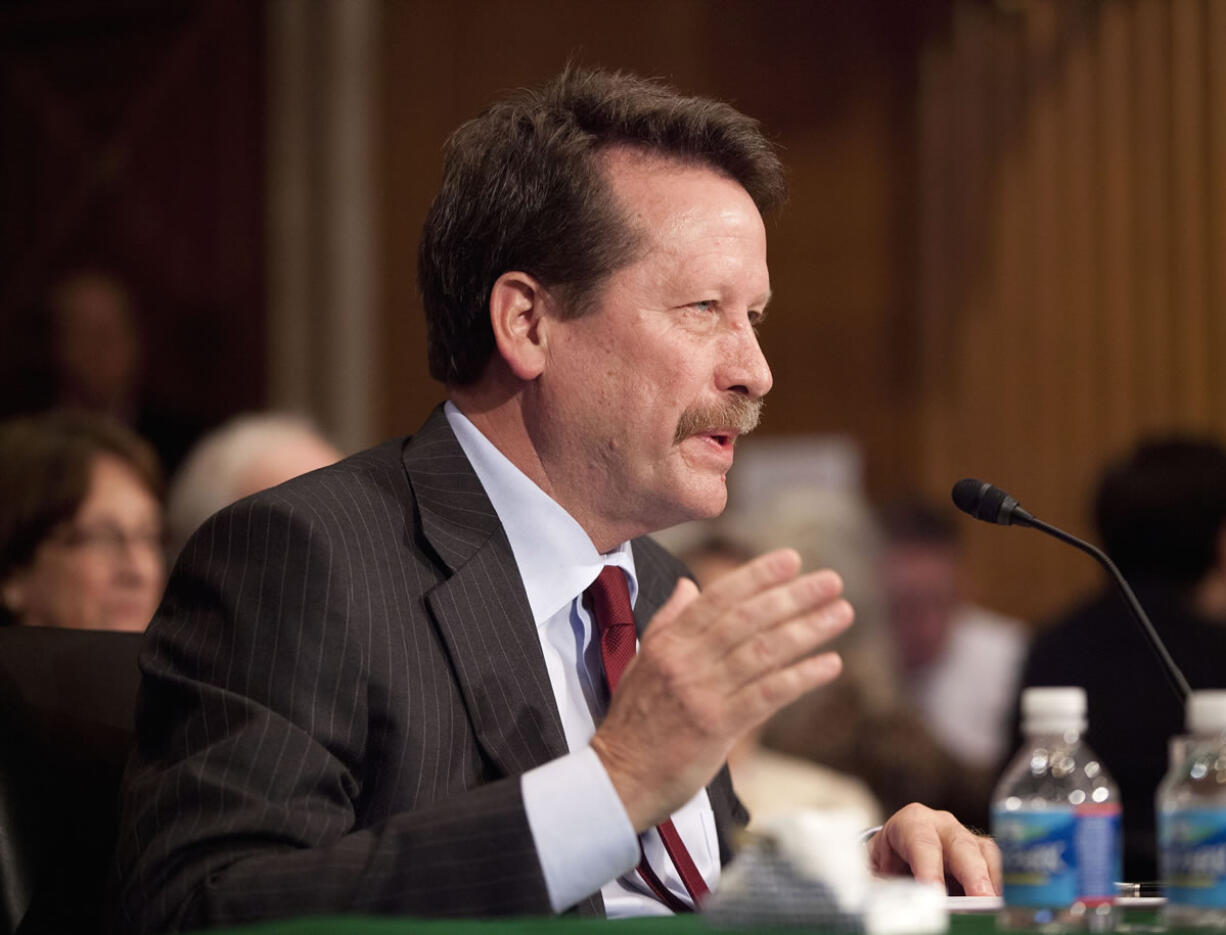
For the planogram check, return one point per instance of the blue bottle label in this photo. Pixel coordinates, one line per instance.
(1059, 856)
(1193, 845)
(1038, 856)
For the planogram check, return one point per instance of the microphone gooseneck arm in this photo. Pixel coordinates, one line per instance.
(1174, 676)
(992, 505)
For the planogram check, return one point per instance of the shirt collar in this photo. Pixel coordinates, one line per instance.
(555, 557)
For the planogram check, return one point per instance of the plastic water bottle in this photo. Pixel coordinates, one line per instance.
(1192, 820)
(1056, 817)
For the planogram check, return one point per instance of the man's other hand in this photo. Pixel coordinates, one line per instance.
(710, 667)
(935, 847)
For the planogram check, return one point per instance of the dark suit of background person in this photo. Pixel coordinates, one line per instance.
(412, 697)
(1161, 515)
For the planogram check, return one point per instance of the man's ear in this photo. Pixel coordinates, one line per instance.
(519, 305)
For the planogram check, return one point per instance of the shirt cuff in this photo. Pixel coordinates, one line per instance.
(582, 833)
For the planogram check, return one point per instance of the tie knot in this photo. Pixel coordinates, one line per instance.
(610, 599)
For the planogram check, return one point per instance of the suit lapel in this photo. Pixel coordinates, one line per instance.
(481, 609)
(655, 585)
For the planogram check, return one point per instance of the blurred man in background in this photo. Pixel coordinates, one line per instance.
(247, 454)
(96, 359)
(959, 662)
(864, 724)
(1160, 512)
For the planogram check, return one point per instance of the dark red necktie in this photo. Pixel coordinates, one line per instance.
(609, 599)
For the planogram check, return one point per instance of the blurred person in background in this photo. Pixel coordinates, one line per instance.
(80, 524)
(96, 360)
(1160, 513)
(247, 454)
(861, 725)
(769, 782)
(959, 662)
(96, 346)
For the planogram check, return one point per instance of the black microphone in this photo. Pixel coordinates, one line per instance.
(992, 505)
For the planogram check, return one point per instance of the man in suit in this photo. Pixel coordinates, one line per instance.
(1160, 513)
(384, 686)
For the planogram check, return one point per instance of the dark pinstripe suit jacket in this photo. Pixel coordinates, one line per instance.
(341, 689)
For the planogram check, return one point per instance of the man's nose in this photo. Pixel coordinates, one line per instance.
(744, 368)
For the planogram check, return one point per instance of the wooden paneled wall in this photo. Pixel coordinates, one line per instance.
(1072, 274)
(1004, 252)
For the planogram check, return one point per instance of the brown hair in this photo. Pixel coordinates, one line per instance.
(45, 466)
(523, 190)
(1160, 510)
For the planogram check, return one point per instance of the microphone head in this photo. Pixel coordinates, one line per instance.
(968, 494)
(985, 501)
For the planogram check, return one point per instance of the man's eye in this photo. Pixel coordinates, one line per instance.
(705, 305)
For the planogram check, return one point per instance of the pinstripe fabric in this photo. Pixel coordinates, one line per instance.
(341, 689)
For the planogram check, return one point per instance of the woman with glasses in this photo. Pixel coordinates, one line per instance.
(80, 524)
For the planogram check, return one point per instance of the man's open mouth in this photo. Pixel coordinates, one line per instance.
(722, 437)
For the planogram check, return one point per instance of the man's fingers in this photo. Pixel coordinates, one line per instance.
(883, 859)
(755, 701)
(910, 841)
(912, 835)
(757, 595)
(785, 601)
(933, 843)
(763, 572)
(968, 862)
(991, 856)
(725, 627)
(770, 648)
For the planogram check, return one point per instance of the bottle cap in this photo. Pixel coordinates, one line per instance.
(1053, 710)
(1207, 712)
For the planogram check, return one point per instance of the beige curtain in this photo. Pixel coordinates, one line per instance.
(1072, 285)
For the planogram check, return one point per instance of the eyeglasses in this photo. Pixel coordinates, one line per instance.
(109, 540)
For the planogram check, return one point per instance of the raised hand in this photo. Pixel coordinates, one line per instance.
(710, 667)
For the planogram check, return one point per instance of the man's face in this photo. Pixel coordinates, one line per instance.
(97, 346)
(642, 399)
(923, 586)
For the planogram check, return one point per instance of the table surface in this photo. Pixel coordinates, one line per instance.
(959, 924)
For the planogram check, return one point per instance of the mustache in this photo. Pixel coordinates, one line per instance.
(735, 412)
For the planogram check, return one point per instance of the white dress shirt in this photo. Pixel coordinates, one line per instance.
(582, 834)
(966, 695)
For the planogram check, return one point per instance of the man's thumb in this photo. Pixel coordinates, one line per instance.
(681, 598)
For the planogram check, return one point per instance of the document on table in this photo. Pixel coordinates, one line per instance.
(969, 904)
